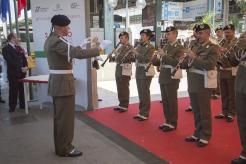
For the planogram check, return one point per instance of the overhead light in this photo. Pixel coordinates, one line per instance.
(112, 3)
(141, 4)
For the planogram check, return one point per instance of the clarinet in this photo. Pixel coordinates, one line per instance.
(110, 55)
(162, 44)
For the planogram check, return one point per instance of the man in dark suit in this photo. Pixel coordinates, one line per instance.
(16, 70)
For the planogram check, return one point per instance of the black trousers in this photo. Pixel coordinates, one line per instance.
(241, 119)
(16, 89)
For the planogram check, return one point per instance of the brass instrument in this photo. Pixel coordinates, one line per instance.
(128, 52)
(163, 43)
(110, 55)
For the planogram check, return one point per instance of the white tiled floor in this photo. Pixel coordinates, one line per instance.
(108, 93)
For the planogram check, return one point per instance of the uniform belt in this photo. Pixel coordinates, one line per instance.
(141, 65)
(197, 71)
(242, 63)
(226, 69)
(166, 66)
(69, 71)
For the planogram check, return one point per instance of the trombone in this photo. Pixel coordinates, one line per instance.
(110, 55)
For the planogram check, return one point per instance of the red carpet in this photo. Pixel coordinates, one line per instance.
(224, 145)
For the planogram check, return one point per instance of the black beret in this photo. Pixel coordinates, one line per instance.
(229, 27)
(124, 33)
(203, 26)
(169, 29)
(218, 28)
(148, 32)
(60, 20)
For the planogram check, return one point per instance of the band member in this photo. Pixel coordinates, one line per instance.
(61, 83)
(169, 58)
(240, 89)
(144, 53)
(124, 55)
(227, 76)
(200, 63)
(219, 39)
(192, 43)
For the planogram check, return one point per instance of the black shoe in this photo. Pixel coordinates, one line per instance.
(168, 129)
(11, 110)
(161, 101)
(74, 153)
(220, 116)
(161, 126)
(191, 139)
(122, 110)
(1, 100)
(116, 109)
(215, 97)
(238, 160)
(189, 109)
(201, 144)
(229, 119)
(99, 100)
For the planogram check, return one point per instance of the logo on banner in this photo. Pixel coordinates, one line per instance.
(74, 5)
(58, 7)
(41, 9)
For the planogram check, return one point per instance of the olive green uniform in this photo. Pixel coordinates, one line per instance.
(168, 85)
(227, 81)
(240, 90)
(123, 55)
(143, 57)
(206, 58)
(61, 87)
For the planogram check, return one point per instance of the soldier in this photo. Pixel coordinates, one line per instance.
(240, 89)
(192, 43)
(124, 55)
(61, 83)
(219, 39)
(144, 53)
(227, 76)
(169, 58)
(201, 62)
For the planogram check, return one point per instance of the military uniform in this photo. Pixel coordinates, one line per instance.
(168, 85)
(240, 90)
(205, 60)
(143, 57)
(123, 58)
(62, 88)
(227, 80)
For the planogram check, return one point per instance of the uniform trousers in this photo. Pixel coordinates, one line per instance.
(170, 102)
(123, 91)
(228, 96)
(63, 123)
(143, 86)
(200, 102)
(241, 119)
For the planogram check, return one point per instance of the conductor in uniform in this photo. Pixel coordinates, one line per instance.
(124, 56)
(61, 83)
(144, 53)
(168, 60)
(200, 61)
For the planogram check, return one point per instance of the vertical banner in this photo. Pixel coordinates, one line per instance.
(42, 12)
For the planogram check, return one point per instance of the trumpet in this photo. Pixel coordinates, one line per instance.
(110, 55)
